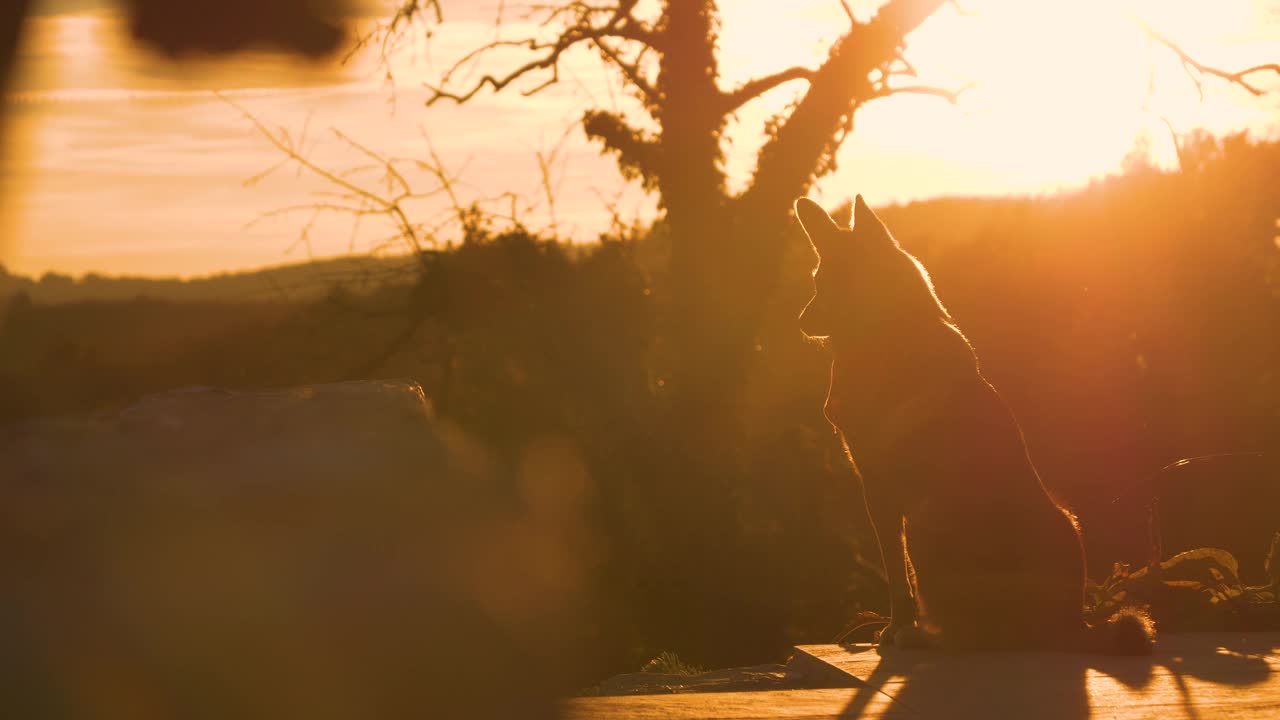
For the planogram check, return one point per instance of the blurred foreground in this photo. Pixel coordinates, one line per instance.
(331, 551)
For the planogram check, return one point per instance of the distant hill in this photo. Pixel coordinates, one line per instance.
(962, 218)
(294, 282)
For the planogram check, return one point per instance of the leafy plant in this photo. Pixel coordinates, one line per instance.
(669, 663)
(1194, 590)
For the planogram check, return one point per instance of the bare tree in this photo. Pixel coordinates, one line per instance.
(727, 248)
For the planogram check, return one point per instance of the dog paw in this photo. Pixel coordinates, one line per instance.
(888, 637)
(913, 637)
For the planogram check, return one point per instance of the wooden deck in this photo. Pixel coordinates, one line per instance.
(1198, 676)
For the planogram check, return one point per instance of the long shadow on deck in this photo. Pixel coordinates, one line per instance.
(1059, 686)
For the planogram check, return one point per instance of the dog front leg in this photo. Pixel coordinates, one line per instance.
(886, 518)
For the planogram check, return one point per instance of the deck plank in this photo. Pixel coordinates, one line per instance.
(762, 705)
(1202, 676)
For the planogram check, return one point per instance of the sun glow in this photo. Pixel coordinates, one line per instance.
(1055, 93)
(1061, 88)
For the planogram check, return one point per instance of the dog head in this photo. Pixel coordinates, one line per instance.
(863, 276)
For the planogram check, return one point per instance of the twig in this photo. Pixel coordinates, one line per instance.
(848, 11)
(620, 25)
(951, 96)
(631, 71)
(1190, 64)
(1177, 143)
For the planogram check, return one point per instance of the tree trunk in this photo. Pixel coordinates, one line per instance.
(691, 182)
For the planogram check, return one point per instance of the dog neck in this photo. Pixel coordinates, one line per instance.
(883, 383)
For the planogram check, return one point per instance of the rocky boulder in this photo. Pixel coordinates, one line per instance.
(326, 551)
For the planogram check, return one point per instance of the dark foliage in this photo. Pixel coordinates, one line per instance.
(1129, 324)
(1197, 590)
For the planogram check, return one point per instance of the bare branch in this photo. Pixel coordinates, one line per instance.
(1195, 69)
(951, 96)
(393, 175)
(631, 71)
(753, 89)
(546, 171)
(388, 34)
(1177, 143)
(282, 144)
(619, 25)
(351, 198)
(848, 11)
(811, 133)
(907, 68)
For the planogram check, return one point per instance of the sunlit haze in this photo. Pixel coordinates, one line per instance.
(120, 162)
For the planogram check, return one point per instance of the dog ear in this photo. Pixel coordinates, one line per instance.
(864, 219)
(817, 224)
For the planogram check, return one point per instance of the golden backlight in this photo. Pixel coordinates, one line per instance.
(468, 468)
(1055, 93)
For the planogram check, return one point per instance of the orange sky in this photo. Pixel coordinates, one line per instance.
(120, 164)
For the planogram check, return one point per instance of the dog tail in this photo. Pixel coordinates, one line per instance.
(1128, 632)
